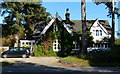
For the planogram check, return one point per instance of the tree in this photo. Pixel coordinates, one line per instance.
(22, 16)
(34, 13)
(84, 28)
(112, 11)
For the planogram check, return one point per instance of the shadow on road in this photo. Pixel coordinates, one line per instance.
(21, 67)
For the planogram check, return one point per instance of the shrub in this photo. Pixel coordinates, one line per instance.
(117, 41)
(40, 50)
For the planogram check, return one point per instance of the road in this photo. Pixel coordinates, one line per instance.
(50, 64)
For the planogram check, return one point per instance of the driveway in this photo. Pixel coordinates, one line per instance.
(49, 64)
(48, 61)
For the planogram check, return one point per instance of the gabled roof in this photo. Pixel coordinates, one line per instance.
(66, 25)
(78, 25)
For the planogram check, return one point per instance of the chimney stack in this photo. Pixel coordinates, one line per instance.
(67, 15)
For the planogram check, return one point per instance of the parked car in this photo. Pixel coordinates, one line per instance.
(23, 52)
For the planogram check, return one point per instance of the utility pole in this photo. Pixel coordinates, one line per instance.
(84, 28)
(113, 25)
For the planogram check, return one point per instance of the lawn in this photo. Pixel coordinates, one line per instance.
(75, 61)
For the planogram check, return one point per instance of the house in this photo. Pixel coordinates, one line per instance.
(57, 25)
(99, 29)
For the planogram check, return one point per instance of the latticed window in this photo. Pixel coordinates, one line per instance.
(56, 45)
(75, 46)
(98, 32)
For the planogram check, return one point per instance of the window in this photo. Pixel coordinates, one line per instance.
(75, 46)
(56, 45)
(98, 32)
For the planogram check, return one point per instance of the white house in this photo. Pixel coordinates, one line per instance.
(99, 29)
(99, 32)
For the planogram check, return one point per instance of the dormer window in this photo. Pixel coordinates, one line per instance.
(98, 32)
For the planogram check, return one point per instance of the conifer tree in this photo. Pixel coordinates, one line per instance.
(22, 16)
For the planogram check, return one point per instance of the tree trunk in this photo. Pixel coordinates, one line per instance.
(84, 28)
(113, 25)
(16, 40)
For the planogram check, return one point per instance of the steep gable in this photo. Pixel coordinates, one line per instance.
(67, 25)
(78, 25)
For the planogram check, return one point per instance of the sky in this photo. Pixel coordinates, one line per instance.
(93, 11)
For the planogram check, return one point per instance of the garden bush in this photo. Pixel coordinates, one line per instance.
(40, 50)
(106, 58)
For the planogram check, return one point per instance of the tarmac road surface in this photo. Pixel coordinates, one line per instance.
(50, 64)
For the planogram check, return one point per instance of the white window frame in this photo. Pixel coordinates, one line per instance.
(100, 31)
(56, 45)
(76, 45)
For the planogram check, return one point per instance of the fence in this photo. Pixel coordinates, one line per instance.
(99, 46)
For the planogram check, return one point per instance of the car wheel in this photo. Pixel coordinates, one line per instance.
(4, 56)
(24, 56)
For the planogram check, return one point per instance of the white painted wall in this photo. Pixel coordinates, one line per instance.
(27, 42)
(98, 26)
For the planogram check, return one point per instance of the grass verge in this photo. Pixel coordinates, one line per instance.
(75, 61)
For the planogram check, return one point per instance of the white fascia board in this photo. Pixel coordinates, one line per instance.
(65, 25)
(97, 22)
(48, 26)
(103, 28)
(59, 18)
(51, 22)
(67, 28)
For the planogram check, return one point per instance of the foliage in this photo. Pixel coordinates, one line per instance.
(8, 41)
(40, 50)
(66, 43)
(109, 6)
(102, 58)
(90, 39)
(99, 59)
(65, 39)
(22, 16)
(117, 41)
